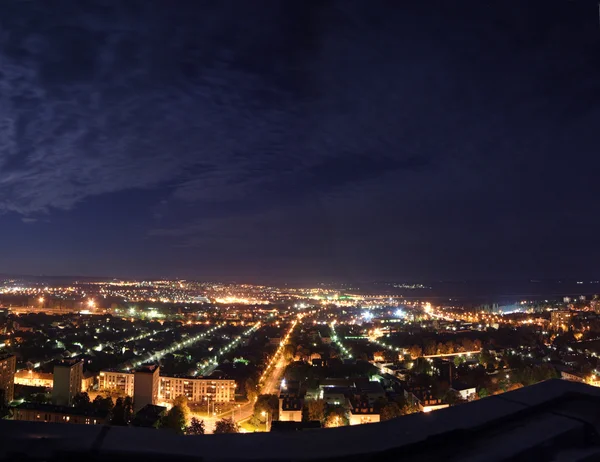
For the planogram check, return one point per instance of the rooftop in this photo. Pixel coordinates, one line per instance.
(67, 362)
(147, 368)
(30, 373)
(292, 404)
(148, 415)
(553, 420)
(364, 386)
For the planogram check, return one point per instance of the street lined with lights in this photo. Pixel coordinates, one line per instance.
(214, 361)
(271, 375)
(101, 346)
(337, 340)
(376, 341)
(157, 355)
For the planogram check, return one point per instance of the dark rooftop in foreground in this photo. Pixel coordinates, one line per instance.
(553, 420)
(279, 426)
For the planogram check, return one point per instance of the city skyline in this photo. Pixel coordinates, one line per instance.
(287, 217)
(338, 141)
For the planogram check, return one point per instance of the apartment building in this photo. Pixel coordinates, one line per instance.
(197, 389)
(68, 375)
(8, 365)
(114, 380)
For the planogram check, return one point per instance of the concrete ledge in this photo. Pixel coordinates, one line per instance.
(555, 415)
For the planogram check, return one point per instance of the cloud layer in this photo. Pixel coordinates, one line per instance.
(245, 114)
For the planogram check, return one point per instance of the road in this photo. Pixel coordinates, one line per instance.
(271, 383)
(244, 411)
(461, 353)
(238, 413)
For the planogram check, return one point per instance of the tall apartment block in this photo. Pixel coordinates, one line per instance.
(68, 374)
(8, 365)
(145, 386)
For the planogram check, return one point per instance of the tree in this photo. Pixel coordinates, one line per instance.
(390, 411)
(429, 347)
(102, 404)
(485, 358)
(467, 344)
(251, 389)
(128, 408)
(316, 409)
(118, 413)
(450, 346)
(82, 401)
(415, 351)
(483, 392)
(336, 417)
(182, 403)
(226, 426)
(441, 349)
(196, 427)
(410, 408)
(174, 419)
(422, 366)
(458, 360)
(514, 361)
(5, 410)
(288, 352)
(122, 411)
(266, 403)
(452, 397)
(514, 386)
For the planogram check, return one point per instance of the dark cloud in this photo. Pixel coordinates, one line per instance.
(377, 123)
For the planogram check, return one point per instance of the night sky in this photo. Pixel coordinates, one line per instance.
(300, 140)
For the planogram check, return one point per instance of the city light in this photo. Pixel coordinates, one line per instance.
(156, 355)
(278, 356)
(227, 328)
(337, 340)
(229, 347)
